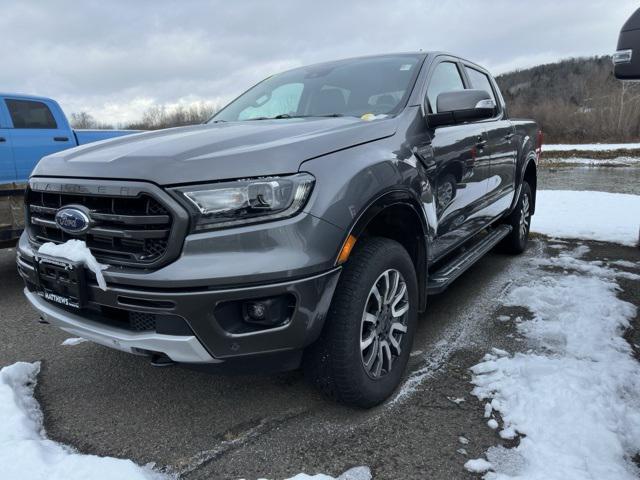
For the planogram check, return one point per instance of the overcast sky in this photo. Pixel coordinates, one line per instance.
(114, 59)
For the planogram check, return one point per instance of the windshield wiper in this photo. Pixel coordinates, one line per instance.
(286, 116)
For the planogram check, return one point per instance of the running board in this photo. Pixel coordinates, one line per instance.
(441, 279)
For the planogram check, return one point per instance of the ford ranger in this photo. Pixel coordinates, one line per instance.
(30, 128)
(306, 223)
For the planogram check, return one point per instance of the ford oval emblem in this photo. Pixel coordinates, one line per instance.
(73, 220)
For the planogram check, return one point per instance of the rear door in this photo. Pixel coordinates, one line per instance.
(7, 165)
(461, 166)
(500, 148)
(35, 133)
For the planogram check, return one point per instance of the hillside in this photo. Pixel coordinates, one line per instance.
(575, 101)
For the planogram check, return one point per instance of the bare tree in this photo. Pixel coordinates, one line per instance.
(160, 116)
(85, 120)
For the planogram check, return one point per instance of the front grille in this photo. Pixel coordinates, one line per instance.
(124, 230)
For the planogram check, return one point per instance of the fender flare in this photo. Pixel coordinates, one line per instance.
(388, 199)
(530, 158)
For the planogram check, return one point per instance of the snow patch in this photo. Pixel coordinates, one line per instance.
(477, 465)
(603, 216)
(576, 397)
(74, 341)
(593, 162)
(625, 264)
(590, 147)
(76, 251)
(356, 473)
(26, 453)
(570, 261)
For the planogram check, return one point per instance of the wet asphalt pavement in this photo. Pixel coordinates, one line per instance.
(203, 426)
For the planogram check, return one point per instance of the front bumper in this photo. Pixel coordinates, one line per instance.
(200, 336)
(187, 349)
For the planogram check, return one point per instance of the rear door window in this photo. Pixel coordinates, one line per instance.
(445, 78)
(480, 81)
(30, 114)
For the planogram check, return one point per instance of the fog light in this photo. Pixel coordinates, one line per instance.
(268, 312)
(256, 311)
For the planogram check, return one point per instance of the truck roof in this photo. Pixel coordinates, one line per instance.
(26, 96)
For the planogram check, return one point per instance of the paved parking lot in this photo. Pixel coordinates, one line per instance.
(204, 426)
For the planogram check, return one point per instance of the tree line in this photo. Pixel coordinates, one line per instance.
(154, 118)
(574, 101)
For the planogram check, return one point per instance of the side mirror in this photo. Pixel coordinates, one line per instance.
(462, 106)
(626, 60)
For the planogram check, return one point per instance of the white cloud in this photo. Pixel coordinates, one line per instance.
(113, 58)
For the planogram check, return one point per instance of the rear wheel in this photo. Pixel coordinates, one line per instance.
(446, 191)
(520, 221)
(364, 348)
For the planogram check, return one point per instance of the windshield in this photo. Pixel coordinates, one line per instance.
(375, 85)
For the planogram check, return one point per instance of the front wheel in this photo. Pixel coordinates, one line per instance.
(364, 348)
(520, 221)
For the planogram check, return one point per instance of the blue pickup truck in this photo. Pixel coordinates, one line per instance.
(30, 128)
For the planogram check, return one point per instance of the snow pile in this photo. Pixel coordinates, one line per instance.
(26, 453)
(607, 217)
(590, 147)
(594, 162)
(356, 473)
(76, 251)
(576, 397)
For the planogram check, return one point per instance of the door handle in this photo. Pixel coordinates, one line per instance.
(481, 143)
(60, 139)
(508, 136)
(2, 139)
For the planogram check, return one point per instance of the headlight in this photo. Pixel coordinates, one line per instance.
(224, 204)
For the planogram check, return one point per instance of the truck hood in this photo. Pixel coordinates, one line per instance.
(214, 151)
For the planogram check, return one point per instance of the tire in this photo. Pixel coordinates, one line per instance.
(337, 363)
(520, 221)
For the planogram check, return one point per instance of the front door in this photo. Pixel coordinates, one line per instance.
(35, 134)
(461, 170)
(7, 166)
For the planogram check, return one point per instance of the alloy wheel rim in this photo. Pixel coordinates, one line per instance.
(384, 323)
(525, 216)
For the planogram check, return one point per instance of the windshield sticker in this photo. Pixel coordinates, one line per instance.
(370, 116)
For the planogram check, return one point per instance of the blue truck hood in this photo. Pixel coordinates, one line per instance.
(214, 151)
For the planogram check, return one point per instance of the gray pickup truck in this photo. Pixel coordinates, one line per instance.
(306, 223)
